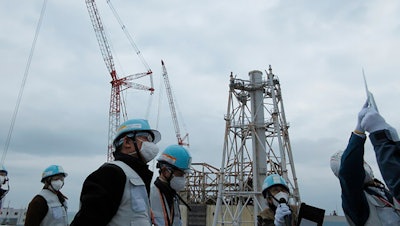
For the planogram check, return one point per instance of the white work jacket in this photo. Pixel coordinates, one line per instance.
(381, 213)
(163, 215)
(134, 209)
(57, 213)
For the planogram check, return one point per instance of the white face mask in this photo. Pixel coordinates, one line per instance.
(282, 197)
(2, 180)
(57, 184)
(149, 151)
(178, 183)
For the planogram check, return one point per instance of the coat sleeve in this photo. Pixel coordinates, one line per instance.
(37, 210)
(265, 218)
(351, 177)
(100, 196)
(387, 154)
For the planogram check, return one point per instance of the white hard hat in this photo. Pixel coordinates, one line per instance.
(335, 166)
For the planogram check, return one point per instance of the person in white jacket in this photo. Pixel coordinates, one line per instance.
(366, 200)
(117, 193)
(49, 207)
(174, 164)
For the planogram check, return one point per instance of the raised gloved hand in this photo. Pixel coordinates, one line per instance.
(281, 211)
(373, 121)
(361, 114)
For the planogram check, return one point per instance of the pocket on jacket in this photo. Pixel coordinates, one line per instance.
(139, 199)
(57, 212)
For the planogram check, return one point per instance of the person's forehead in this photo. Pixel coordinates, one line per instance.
(58, 177)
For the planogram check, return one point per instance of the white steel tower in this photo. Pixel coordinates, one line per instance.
(256, 144)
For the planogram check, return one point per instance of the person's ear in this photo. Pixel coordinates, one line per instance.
(127, 140)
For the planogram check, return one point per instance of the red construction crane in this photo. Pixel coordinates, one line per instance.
(117, 84)
(172, 108)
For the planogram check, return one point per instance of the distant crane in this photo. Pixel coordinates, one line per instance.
(117, 84)
(172, 108)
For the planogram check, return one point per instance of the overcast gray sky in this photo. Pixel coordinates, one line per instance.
(316, 48)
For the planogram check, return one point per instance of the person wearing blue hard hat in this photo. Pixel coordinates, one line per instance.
(117, 193)
(49, 207)
(278, 211)
(174, 165)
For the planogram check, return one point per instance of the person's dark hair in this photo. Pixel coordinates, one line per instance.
(118, 148)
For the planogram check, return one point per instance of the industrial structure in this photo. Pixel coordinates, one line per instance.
(256, 144)
(256, 141)
(117, 106)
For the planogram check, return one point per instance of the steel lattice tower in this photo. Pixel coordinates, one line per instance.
(256, 144)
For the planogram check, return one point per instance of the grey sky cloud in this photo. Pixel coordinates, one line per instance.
(317, 49)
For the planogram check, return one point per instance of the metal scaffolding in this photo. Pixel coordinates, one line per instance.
(201, 184)
(256, 144)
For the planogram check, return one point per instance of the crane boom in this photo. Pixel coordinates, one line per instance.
(115, 100)
(117, 84)
(172, 107)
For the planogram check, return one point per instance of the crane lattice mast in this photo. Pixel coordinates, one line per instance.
(172, 107)
(256, 144)
(117, 84)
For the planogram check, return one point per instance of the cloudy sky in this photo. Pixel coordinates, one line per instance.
(317, 49)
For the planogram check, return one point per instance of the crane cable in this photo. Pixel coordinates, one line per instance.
(129, 37)
(138, 53)
(21, 90)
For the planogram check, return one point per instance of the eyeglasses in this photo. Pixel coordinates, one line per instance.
(147, 136)
(176, 172)
(179, 173)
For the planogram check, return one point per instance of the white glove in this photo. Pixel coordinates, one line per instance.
(281, 211)
(361, 115)
(373, 121)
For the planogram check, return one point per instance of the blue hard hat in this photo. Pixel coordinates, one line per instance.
(52, 171)
(133, 125)
(176, 156)
(273, 180)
